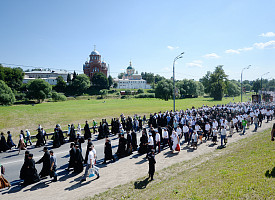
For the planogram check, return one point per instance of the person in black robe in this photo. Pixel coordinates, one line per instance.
(24, 166)
(60, 135)
(108, 154)
(100, 132)
(39, 136)
(31, 172)
(56, 141)
(9, 140)
(143, 142)
(3, 144)
(72, 157)
(45, 171)
(78, 166)
(121, 150)
(72, 133)
(152, 161)
(87, 131)
(129, 144)
(79, 140)
(89, 144)
(134, 140)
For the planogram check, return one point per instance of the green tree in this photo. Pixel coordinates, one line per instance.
(6, 94)
(74, 76)
(247, 87)
(80, 84)
(58, 96)
(103, 93)
(140, 91)
(69, 79)
(200, 88)
(60, 85)
(215, 83)
(110, 81)
(256, 86)
(205, 80)
(100, 80)
(13, 77)
(149, 77)
(38, 89)
(232, 89)
(164, 90)
(120, 75)
(115, 85)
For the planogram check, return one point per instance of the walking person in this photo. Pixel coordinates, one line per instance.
(3, 182)
(244, 122)
(9, 140)
(28, 137)
(152, 161)
(255, 121)
(53, 164)
(91, 164)
(223, 136)
(46, 163)
(21, 145)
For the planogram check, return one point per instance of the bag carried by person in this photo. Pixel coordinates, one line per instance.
(92, 173)
(178, 147)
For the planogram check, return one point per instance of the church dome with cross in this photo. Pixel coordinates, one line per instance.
(94, 65)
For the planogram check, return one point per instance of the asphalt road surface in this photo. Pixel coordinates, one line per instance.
(13, 162)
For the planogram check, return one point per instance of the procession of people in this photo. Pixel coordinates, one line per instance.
(167, 129)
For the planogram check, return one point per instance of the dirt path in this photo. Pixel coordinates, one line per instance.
(70, 187)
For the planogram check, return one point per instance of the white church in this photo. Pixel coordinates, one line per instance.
(132, 80)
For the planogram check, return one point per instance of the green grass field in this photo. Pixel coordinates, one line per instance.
(17, 117)
(244, 170)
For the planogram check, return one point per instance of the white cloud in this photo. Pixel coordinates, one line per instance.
(166, 69)
(266, 45)
(195, 63)
(172, 48)
(211, 55)
(246, 49)
(232, 51)
(238, 51)
(268, 34)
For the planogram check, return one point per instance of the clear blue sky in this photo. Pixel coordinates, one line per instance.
(61, 34)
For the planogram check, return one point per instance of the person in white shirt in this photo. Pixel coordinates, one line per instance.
(179, 131)
(157, 138)
(223, 135)
(215, 135)
(194, 140)
(165, 137)
(185, 131)
(150, 142)
(207, 130)
(91, 164)
(175, 139)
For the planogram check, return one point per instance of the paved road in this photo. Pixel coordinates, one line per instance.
(13, 162)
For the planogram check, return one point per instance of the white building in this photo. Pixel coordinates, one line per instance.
(131, 80)
(48, 76)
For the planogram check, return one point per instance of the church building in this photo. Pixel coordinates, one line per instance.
(95, 65)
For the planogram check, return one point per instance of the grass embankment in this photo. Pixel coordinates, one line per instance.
(244, 170)
(17, 117)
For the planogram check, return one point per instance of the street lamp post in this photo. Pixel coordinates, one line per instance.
(174, 95)
(242, 82)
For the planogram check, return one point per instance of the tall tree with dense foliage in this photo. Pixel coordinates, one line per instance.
(38, 89)
(6, 94)
(60, 85)
(69, 79)
(256, 86)
(232, 89)
(149, 77)
(110, 80)
(13, 77)
(80, 84)
(100, 80)
(164, 89)
(215, 83)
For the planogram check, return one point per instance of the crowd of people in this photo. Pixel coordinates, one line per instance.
(168, 129)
